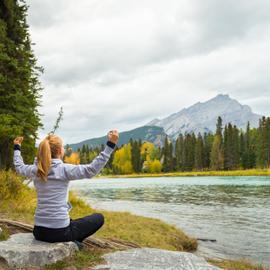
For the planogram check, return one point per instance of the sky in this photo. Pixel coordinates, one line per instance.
(120, 64)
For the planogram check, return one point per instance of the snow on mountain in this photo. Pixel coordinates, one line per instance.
(202, 116)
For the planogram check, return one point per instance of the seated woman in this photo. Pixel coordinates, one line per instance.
(51, 179)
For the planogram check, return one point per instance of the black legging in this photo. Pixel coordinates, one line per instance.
(78, 229)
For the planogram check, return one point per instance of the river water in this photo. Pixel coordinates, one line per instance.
(235, 211)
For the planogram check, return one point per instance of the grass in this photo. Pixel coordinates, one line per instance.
(4, 235)
(80, 260)
(20, 205)
(18, 202)
(237, 265)
(147, 232)
(250, 172)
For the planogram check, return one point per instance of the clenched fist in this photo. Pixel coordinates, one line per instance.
(113, 136)
(18, 140)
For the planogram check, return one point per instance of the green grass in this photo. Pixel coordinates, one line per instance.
(250, 172)
(4, 235)
(18, 202)
(149, 232)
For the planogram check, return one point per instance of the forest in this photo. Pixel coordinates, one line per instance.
(230, 148)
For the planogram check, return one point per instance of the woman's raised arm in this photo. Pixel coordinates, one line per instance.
(76, 172)
(20, 167)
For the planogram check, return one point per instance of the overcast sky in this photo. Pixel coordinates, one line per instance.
(119, 64)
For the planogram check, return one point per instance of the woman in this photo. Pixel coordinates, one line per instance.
(51, 179)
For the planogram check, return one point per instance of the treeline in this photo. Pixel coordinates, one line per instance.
(228, 149)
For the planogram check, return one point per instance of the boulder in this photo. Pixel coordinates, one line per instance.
(154, 259)
(22, 250)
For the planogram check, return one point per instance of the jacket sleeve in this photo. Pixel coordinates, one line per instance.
(20, 167)
(76, 172)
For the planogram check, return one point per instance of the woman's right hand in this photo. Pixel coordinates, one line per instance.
(18, 140)
(113, 136)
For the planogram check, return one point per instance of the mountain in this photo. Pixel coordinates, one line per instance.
(152, 134)
(202, 116)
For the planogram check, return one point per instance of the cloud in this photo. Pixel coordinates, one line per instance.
(121, 64)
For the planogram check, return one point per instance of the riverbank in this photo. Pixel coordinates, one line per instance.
(18, 202)
(251, 172)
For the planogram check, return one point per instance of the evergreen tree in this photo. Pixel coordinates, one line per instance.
(172, 161)
(217, 155)
(19, 84)
(136, 157)
(189, 152)
(231, 147)
(179, 145)
(166, 155)
(243, 151)
(208, 139)
(219, 126)
(199, 153)
(263, 143)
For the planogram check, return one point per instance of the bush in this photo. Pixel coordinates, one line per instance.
(11, 185)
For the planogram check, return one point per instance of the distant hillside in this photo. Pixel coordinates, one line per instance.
(152, 134)
(202, 117)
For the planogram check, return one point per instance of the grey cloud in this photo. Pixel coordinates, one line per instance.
(102, 45)
(135, 61)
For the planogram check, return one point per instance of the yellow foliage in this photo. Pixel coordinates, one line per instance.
(122, 160)
(147, 148)
(154, 166)
(74, 158)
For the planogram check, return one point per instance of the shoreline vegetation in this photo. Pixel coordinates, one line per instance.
(149, 232)
(250, 172)
(229, 149)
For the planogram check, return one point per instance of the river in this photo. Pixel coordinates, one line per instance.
(235, 211)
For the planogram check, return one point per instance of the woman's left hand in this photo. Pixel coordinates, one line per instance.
(18, 140)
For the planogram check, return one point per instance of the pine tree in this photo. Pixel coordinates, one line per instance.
(217, 154)
(179, 145)
(19, 84)
(166, 155)
(189, 152)
(231, 147)
(208, 139)
(136, 157)
(171, 158)
(199, 154)
(262, 144)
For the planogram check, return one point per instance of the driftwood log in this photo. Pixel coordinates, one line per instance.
(90, 242)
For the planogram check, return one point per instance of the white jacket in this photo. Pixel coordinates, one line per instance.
(52, 206)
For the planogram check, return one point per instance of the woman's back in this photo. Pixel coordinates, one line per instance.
(51, 179)
(52, 205)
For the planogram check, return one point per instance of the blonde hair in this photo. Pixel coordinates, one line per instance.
(48, 149)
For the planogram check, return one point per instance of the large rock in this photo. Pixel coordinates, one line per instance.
(22, 250)
(153, 259)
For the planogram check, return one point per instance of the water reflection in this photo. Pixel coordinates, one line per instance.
(237, 196)
(232, 210)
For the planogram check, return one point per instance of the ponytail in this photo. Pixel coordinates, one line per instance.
(48, 149)
(44, 159)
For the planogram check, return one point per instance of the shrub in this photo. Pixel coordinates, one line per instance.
(11, 185)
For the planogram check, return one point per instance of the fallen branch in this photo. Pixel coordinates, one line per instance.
(91, 242)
